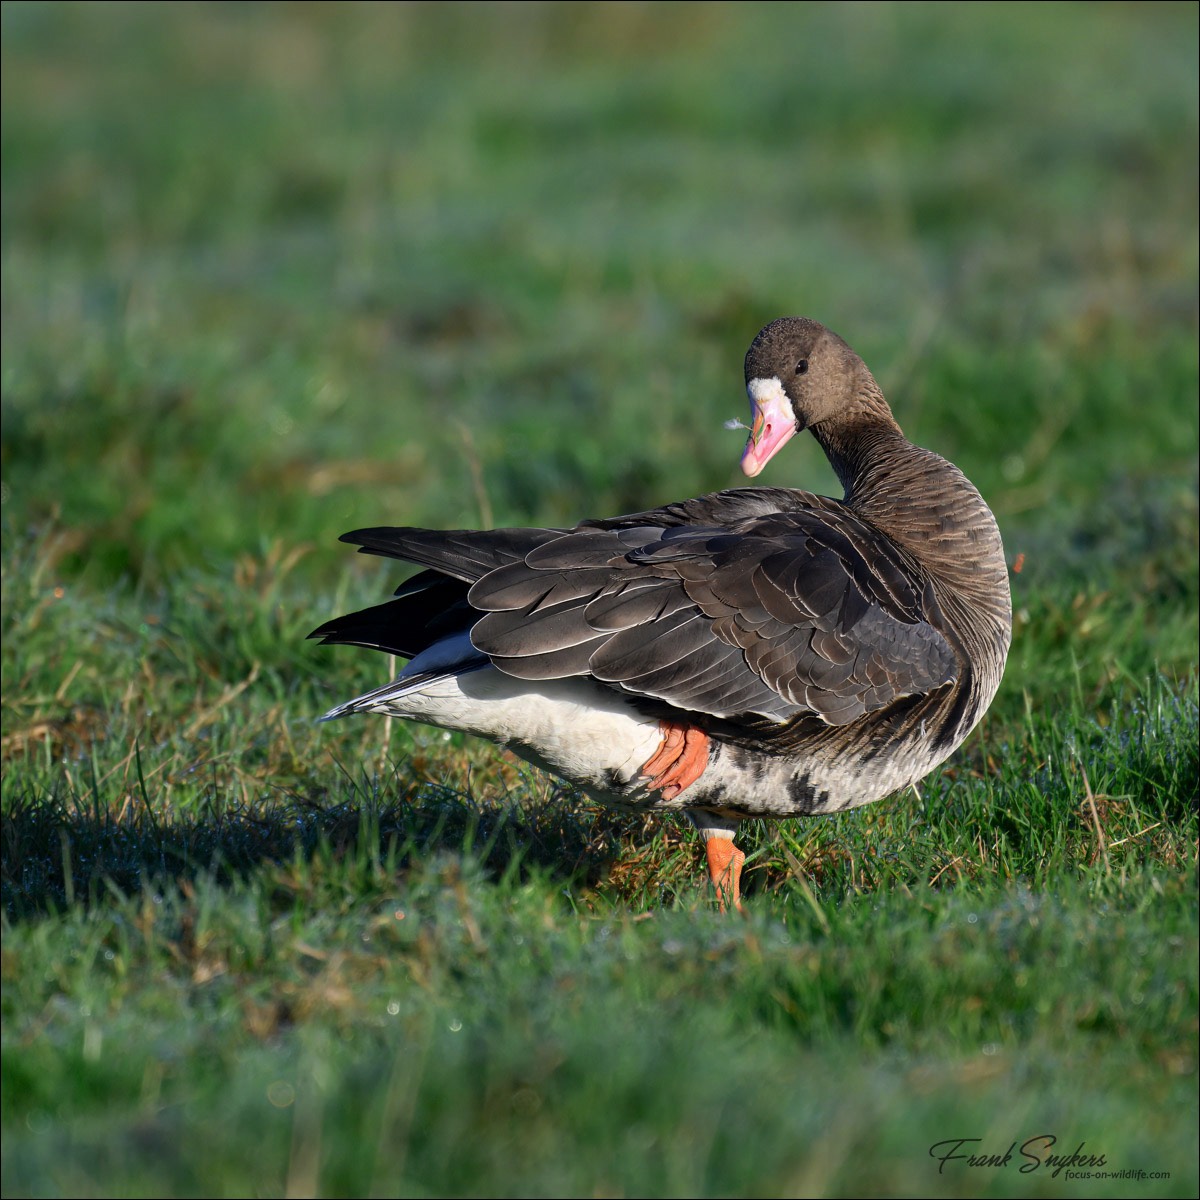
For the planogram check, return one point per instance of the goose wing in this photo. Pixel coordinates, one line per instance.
(752, 604)
(770, 615)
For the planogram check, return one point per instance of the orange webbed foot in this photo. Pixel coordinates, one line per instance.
(679, 761)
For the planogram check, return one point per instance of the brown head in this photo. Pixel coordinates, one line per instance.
(800, 374)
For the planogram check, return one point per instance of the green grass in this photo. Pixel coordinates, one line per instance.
(274, 272)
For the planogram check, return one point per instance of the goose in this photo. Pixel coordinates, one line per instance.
(759, 652)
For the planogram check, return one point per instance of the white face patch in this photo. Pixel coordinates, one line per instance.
(773, 422)
(769, 393)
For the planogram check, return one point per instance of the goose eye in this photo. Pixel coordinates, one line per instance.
(802, 367)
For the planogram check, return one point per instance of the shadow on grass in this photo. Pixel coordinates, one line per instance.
(1067, 793)
(61, 851)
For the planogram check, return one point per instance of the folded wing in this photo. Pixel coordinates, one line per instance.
(754, 604)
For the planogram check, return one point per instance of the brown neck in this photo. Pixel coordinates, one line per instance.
(923, 503)
(861, 438)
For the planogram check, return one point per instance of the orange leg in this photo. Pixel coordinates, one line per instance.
(679, 761)
(725, 870)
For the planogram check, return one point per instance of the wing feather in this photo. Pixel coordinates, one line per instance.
(756, 603)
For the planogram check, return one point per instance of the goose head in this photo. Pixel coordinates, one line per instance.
(798, 374)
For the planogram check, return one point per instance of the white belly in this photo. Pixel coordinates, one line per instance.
(572, 727)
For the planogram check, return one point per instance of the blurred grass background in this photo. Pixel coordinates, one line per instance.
(272, 272)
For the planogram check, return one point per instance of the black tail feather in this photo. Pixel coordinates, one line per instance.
(406, 625)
